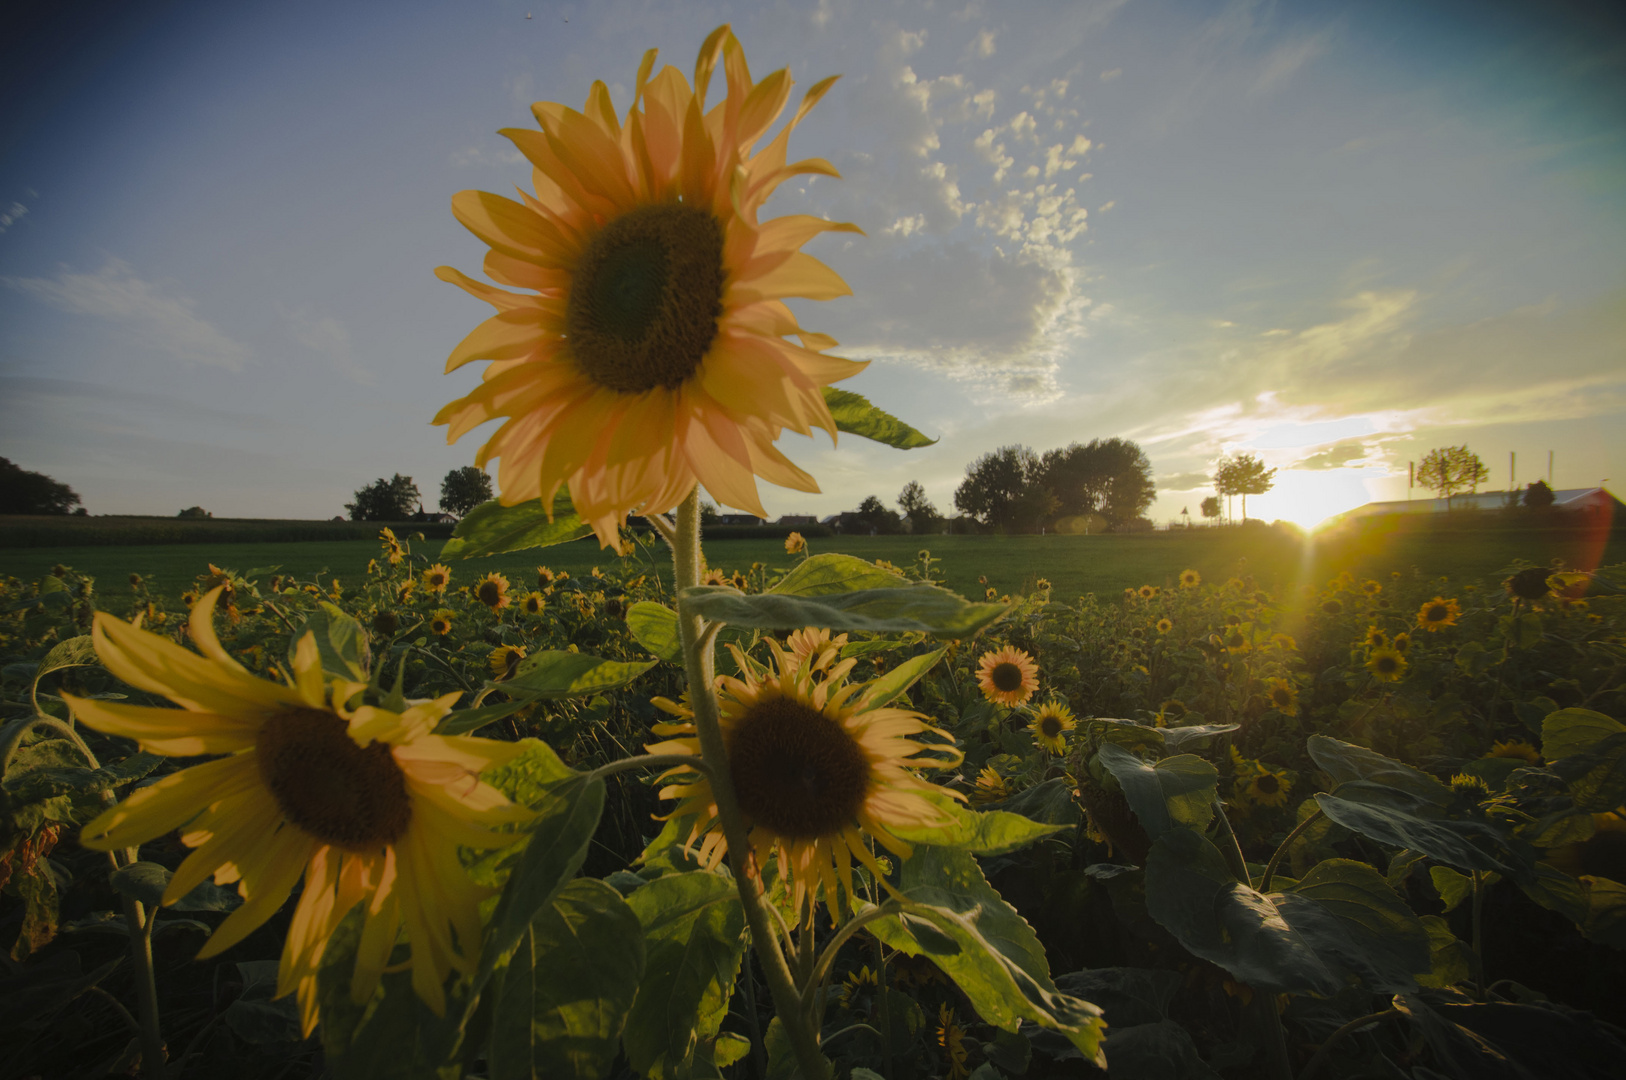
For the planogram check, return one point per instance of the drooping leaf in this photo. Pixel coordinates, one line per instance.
(341, 641)
(75, 652)
(854, 414)
(1175, 791)
(465, 721)
(1050, 802)
(1451, 842)
(559, 674)
(493, 529)
(918, 607)
(655, 627)
(1347, 763)
(831, 573)
(895, 683)
(1193, 736)
(143, 881)
(1450, 961)
(1357, 925)
(694, 940)
(25, 785)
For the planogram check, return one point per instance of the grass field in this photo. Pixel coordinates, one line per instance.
(1278, 559)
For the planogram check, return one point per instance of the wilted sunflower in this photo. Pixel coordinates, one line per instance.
(1190, 579)
(1386, 664)
(1529, 583)
(816, 767)
(1515, 748)
(794, 544)
(437, 577)
(1284, 697)
(492, 591)
(504, 661)
(653, 353)
(990, 787)
(364, 804)
(1008, 676)
(1269, 788)
(440, 623)
(1050, 726)
(532, 603)
(1438, 613)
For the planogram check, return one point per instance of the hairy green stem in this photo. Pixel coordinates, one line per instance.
(649, 761)
(1479, 939)
(1281, 849)
(699, 668)
(140, 925)
(1261, 1011)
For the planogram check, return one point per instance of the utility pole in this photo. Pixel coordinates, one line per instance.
(1549, 468)
(1411, 478)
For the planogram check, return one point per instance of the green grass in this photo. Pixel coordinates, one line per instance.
(1073, 564)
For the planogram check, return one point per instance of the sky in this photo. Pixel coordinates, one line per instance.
(1336, 235)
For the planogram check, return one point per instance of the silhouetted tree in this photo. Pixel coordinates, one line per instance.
(25, 492)
(395, 499)
(1450, 469)
(994, 485)
(1243, 475)
(1538, 495)
(1110, 477)
(464, 489)
(880, 519)
(1211, 507)
(923, 516)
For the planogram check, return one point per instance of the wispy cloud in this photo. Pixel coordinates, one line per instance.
(167, 320)
(329, 339)
(11, 215)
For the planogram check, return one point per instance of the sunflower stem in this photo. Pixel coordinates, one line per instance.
(1281, 849)
(699, 669)
(649, 761)
(139, 926)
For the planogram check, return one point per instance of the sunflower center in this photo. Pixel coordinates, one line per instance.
(350, 796)
(489, 593)
(1268, 784)
(1281, 697)
(647, 294)
(1050, 726)
(796, 771)
(1604, 855)
(1006, 677)
(1436, 613)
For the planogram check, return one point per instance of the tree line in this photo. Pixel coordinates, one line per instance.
(398, 498)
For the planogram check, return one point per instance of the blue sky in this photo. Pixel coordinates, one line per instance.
(1335, 234)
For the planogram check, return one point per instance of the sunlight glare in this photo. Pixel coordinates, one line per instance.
(1308, 497)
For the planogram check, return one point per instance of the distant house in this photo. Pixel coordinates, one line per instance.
(434, 517)
(1593, 500)
(740, 519)
(851, 523)
(797, 519)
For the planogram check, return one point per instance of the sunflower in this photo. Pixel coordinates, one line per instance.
(492, 591)
(1371, 588)
(816, 767)
(651, 352)
(1438, 613)
(1051, 724)
(532, 603)
(403, 594)
(1386, 664)
(951, 1038)
(1515, 748)
(386, 623)
(1402, 642)
(1332, 607)
(364, 804)
(437, 577)
(1284, 697)
(1007, 677)
(440, 623)
(1376, 637)
(1268, 788)
(1529, 583)
(190, 598)
(794, 544)
(1147, 592)
(1190, 579)
(1173, 709)
(392, 547)
(1164, 626)
(504, 661)
(1236, 642)
(1284, 642)
(990, 787)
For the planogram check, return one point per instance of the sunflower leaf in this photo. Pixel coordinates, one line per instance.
(655, 627)
(492, 528)
(919, 607)
(1175, 791)
(987, 832)
(341, 641)
(831, 573)
(557, 673)
(895, 683)
(1456, 843)
(855, 415)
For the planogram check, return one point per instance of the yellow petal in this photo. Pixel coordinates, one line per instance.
(176, 732)
(268, 876)
(159, 666)
(170, 803)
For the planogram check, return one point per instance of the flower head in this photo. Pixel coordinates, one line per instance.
(1164, 626)
(1515, 748)
(1376, 637)
(1438, 613)
(990, 787)
(794, 544)
(816, 766)
(1529, 583)
(1268, 788)
(1387, 664)
(1008, 676)
(650, 351)
(1147, 592)
(504, 661)
(365, 804)
(1190, 579)
(437, 577)
(1284, 697)
(492, 591)
(532, 603)
(440, 623)
(1050, 726)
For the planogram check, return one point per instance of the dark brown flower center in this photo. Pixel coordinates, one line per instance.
(1604, 855)
(350, 796)
(1282, 698)
(490, 593)
(647, 294)
(1267, 784)
(1050, 726)
(1438, 612)
(1387, 665)
(796, 771)
(1006, 677)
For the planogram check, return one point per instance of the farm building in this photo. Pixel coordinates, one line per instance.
(1593, 500)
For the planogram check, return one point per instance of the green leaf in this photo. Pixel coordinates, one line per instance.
(990, 832)
(919, 607)
(559, 674)
(895, 683)
(1597, 774)
(75, 652)
(1357, 925)
(1348, 763)
(1453, 887)
(528, 778)
(1450, 961)
(655, 627)
(463, 721)
(493, 529)
(694, 939)
(562, 1000)
(1606, 912)
(1050, 802)
(27, 785)
(254, 1016)
(1175, 791)
(1557, 891)
(980, 942)
(143, 881)
(1451, 842)
(1194, 736)
(1575, 731)
(854, 414)
(831, 574)
(340, 640)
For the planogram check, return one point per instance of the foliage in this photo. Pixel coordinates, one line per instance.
(1109, 477)
(1537, 495)
(882, 520)
(194, 513)
(394, 499)
(1244, 475)
(996, 488)
(923, 516)
(26, 492)
(463, 489)
(1451, 469)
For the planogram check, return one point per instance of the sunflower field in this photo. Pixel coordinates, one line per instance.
(823, 818)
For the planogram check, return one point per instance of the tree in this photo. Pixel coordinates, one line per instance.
(923, 516)
(25, 492)
(386, 500)
(880, 519)
(994, 485)
(1243, 475)
(464, 489)
(1538, 495)
(1450, 469)
(1110, 477)
(1211, 507)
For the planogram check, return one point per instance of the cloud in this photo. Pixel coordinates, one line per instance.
(1339, 455)
(11, 214)
(482, 157)
(168, 322)
(329, 338)
(1284, 60)
(1183, 481)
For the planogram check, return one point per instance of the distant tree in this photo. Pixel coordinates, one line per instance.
(25, 492)
(923, 516)
(1538, 495)
(994, 485)
(1110, 477)
(395, 499)
(464, 489)
(1243, 475)
(708, 512)
(194, 512)
(1211, 507)
(1450, 469)
(880, 519)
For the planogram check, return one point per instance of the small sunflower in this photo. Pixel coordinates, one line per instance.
(492, 591)
(1173, 709)
(504, 661)
(1376, 637)
(1147, 592)
(1386, 664)
(1515, 748)
(1190, 579)
(437, 577)
(1164, 626)
(856, 982)
(1284, 642)
(544, 578)
(990, 787)
(1371, 588)
(365, 805)
(951, 1038)
(738, 580)
(403, 594)
(440, 623)
(190, 598)
(794, 544)
(816, 767)
(1236, 642)
(1402, 642)
(1050, 726)
(1008, 676)
(1284, 697)
(1268, 787)
(714, 577)
(393, 551)
(650, 351)
(1438, 613)
(532, 603)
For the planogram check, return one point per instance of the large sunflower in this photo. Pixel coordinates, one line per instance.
(1051, 724)
(651, 351)
(816, 766)
(1007, 676)
(363, 803)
